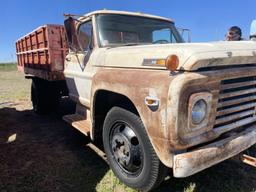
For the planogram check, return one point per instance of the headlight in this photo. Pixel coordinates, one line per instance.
(199, 111)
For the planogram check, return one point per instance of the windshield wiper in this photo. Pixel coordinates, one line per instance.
(130, 44)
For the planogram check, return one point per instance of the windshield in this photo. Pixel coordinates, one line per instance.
(121, 30)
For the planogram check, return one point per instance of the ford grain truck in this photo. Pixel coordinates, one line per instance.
(155, 102)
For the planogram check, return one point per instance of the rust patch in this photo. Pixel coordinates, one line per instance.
(189, 163)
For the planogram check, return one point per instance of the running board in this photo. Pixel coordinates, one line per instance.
(79, 122)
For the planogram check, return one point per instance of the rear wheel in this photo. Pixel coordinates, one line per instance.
(129, 151)
(44, 96)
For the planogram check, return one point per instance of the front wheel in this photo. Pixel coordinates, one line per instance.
(129, 151)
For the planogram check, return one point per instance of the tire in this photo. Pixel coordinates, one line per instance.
(129, 151)
(44, 96)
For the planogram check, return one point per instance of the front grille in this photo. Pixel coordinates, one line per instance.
(236, 104)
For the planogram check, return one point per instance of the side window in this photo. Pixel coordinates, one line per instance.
(84, 35)
(163, 36)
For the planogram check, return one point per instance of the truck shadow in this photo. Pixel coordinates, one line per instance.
(42, 153)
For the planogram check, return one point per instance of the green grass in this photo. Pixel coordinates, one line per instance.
(110, 183)
(8, 66)
(13, 85)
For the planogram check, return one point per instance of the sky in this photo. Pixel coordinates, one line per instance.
(207, 20)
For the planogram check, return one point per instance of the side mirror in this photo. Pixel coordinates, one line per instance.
(253, 30)
(70, 27)
(186, 34)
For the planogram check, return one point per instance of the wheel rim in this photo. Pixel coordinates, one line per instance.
(125, 148)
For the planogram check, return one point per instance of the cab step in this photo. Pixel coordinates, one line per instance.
(79, 122)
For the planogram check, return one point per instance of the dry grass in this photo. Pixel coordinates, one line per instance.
(42, 153)
(13, 85)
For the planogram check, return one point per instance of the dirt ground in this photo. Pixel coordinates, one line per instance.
(43, 153)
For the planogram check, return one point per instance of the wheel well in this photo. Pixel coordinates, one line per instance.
(103, 102)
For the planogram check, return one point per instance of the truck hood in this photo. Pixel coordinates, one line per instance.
(191, 55)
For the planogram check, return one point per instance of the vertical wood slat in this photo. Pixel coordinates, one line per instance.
(31, 43)
(26, 44)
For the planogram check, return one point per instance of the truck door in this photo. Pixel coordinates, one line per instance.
(78, 71)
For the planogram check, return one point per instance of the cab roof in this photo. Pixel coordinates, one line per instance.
(104, 11)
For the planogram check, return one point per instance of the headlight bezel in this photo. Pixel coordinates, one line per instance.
(193, 99)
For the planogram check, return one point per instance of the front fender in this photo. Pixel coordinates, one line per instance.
(137, 84)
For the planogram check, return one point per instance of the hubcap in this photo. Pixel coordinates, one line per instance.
(126, 148)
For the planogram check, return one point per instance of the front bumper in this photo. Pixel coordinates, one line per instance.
(187, 164)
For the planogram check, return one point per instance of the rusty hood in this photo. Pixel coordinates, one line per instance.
(191, 55)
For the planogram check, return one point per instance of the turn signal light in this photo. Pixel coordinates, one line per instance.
(149, 101)
(172, 62)
(160, 62)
